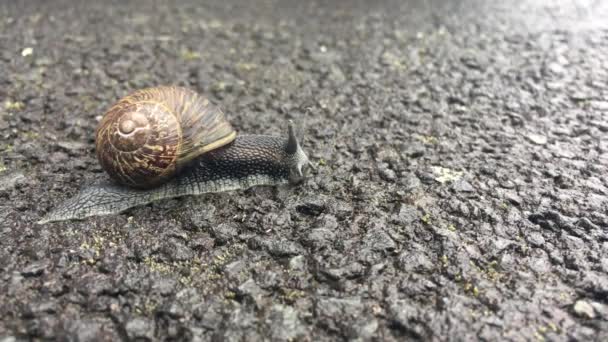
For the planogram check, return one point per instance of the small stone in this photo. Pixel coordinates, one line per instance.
(556, 68)
(283, 248)
(327, 221)
(284, 323)
(176, 250)
(140, 328)
(579, 96)
(297, 263)
(378, 240)
(600, 105)
(406, 215)
(204, 242)
(34, 269)
(94, 284)
(312, 206)
(587, 224)
(537, 138)
(320, 237)
(445, 175)
(536, 239)
(387, 174)
(414, 261)
(224, 232)
(584, 309)
(513, 198)
(338, 308)
(462, 186)
(9, 180)
(71, 147)
(203, 216)
(164, 286)
(28, 51)
(233, 270)
(350, 271)
(250, 289)
(36, 308)
(405, 316)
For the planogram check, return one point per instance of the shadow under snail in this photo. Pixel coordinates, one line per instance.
(169, 142)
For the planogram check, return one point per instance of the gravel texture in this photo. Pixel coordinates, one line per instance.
(461, 189)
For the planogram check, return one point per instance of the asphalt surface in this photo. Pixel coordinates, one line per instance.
(461, 188)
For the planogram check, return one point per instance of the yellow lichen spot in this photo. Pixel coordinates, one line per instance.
(219, 86)
(292, 295)
(189, 55)
(215, 24)
(14, 105)
(426, 219)
(229, 295)
(392, 60)
(538, 336)
(467, 286)
(445, 175)
(2, 167)
(243, 66)
(31, 135)
(475, 291)
(552, 326)
(444, 261)
(155, 266)
(451, 227)
(428, 139)
(322, 162)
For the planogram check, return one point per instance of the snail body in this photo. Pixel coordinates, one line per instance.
(168, 142)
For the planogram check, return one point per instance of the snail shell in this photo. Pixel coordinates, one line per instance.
(148, 136)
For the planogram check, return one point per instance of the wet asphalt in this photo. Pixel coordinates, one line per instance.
(460, 191)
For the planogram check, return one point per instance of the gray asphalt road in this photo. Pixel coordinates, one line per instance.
(461, 188)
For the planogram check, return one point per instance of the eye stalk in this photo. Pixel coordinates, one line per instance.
(299, 164)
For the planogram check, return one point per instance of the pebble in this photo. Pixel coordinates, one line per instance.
(378, 240)
(583, 309)
(537, 138)
(71, 147)
(414, 260)
(462, 185)
(8, 180)
(34, 269)
(176, 250)
(297, 263)
(312, 206)
(284, 323)
(406, 215)
(536, 239)
(284, 248)
(140, 328)
(224, 232)
(320, 237)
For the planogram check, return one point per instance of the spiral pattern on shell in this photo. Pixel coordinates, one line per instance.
(148, 136)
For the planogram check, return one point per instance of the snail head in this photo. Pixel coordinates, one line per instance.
(299, 165)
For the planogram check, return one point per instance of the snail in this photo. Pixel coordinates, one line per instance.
(166, 142)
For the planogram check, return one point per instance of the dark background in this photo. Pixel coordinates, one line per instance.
(461, 188)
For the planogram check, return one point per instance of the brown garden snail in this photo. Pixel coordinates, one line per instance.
(168, 142)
